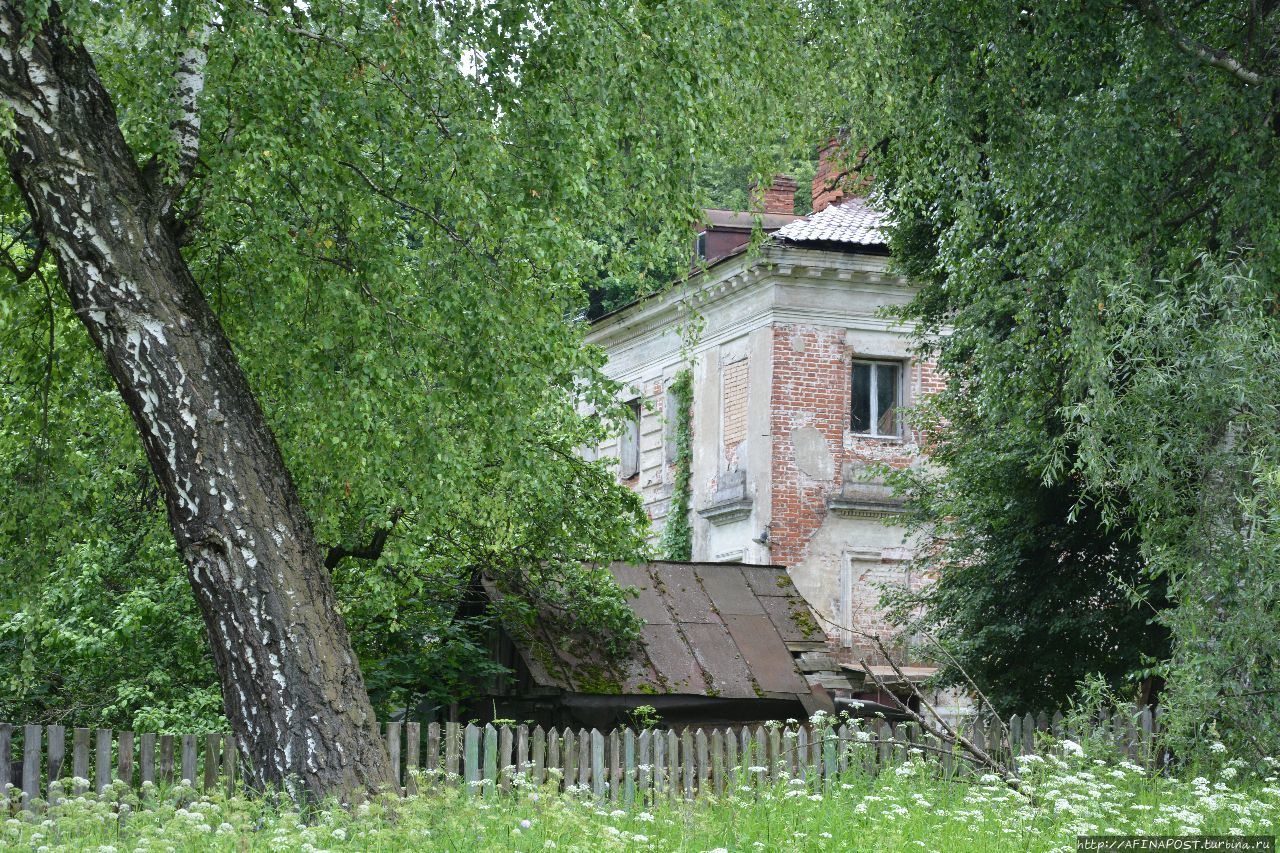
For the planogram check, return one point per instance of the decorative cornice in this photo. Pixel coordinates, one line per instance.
(728, 511)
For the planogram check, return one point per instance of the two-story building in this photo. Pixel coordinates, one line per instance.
(799, 383)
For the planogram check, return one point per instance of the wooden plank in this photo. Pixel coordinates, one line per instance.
(760, 754)
(147, 757)
(554, 761)
(569, 758)
(629, 767)
(102, 760)
(800, 762)
(843, 736)
(644, 764)
(775, 756)
(661, 766)
(394, 729)
(6, 755)
(732, 764)
(538, 756)
(703, 765)
(187, 768)
(211, 760)
(490, 760)
(471, 758)
(166, 759)
(523, 765)
(124, 757)
(230, 761)
(1028, 735)
(505, 764)
(584, 760)
(615, 765)
(1056, 725)
(673, 764)
(32, 754)
(433, 747)
(599, 781)
(80, 760)
(716, 744)
(452, 743)
(830, 749)
(56, 757)
(412, 754)
(688, 763)
(1146, 724)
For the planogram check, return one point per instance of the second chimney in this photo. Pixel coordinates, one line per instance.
(778, 197)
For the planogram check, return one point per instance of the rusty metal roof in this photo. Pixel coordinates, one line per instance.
(712, 629)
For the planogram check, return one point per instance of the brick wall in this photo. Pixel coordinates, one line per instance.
(812, 442)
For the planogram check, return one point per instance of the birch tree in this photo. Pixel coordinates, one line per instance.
(399, 203)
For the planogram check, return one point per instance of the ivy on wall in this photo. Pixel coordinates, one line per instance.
(677, 535)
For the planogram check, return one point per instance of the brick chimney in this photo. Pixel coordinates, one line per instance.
(834, 181)
(778, 197)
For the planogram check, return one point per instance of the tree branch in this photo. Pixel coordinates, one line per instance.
(371, 551)
(189, 77)
(1198, 49)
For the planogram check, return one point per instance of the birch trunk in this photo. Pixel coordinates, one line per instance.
(291, 685)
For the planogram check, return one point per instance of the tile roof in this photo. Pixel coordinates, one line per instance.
(712, 629)
(853, 221)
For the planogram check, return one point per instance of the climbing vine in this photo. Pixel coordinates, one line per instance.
(677, 535)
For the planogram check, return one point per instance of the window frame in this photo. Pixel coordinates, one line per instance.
(898, 396)
(629, 442)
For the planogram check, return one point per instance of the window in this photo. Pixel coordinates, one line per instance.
(701, 248)
(629, 444)
(876, 388)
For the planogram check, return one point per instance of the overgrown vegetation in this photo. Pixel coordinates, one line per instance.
(898, 809)
(677, 531)
(1088, 206)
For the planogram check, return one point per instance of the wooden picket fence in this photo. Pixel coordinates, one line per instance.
(622, 765)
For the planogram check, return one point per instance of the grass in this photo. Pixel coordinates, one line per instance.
(903, 808)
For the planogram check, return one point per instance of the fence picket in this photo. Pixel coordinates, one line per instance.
(471, 758)
(615, 765)
(599, 782)
(189, 759)
(553, 760)
(490, 760)
(732, 767)
(688, 763)
(522, 749)
(584, 760)
(102, 760)
(716, 744)
(505, 762)
(166, 757)
(147, 757)
(393, 750)
(124, 757)
(31, 755)
(230, 761)
(569, 746)
(644, 764)
(452, 742)
(412, 750)
(673, 764)
(433, 747)
(211, 761)
(55, 758)
(629, 767)
(660, 767)
(701, 756)
(539, 756)
(6, 757)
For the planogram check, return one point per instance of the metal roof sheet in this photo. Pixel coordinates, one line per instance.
(713, 629)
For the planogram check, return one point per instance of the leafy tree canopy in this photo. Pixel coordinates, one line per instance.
(395, 212)
(1086, 195)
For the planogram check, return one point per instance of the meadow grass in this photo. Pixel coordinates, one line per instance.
(907, 807)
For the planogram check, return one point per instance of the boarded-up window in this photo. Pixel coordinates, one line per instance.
(629, 445)
(734, 401)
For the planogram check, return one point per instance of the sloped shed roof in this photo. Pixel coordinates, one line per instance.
(712, 629)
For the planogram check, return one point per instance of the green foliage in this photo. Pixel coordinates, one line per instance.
(396, 216)
(1091, 209)
(677, 534)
